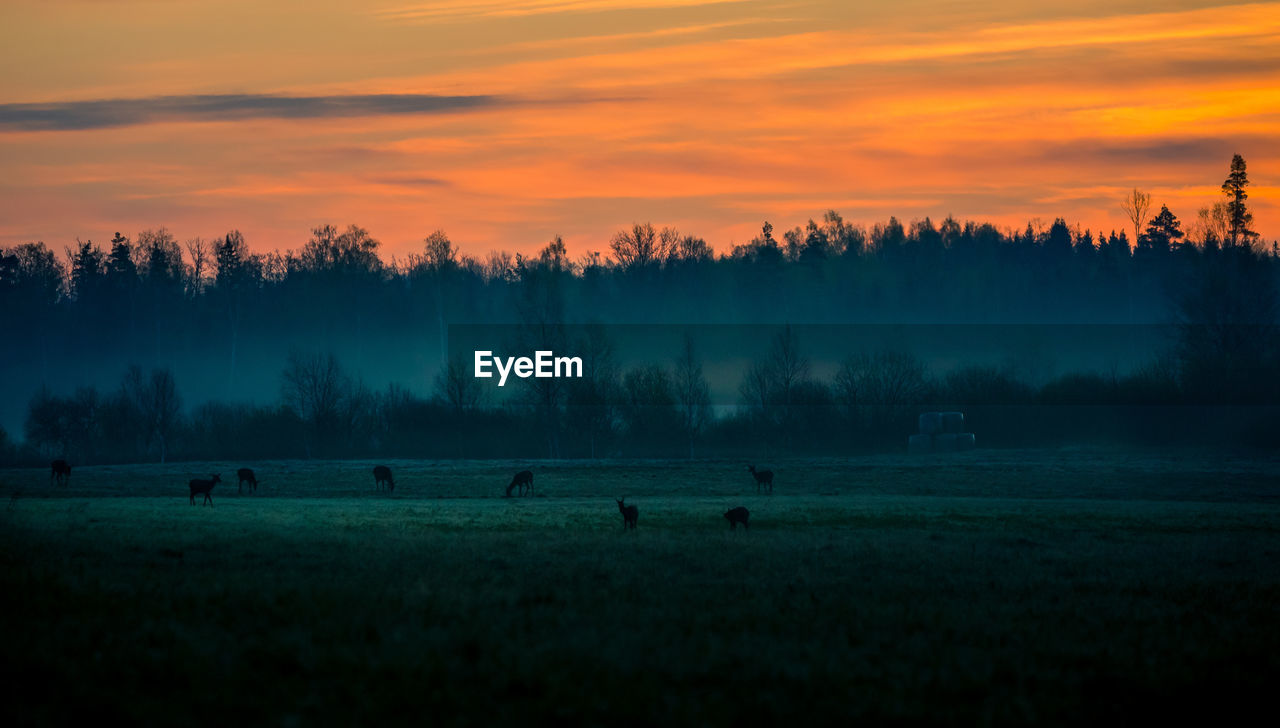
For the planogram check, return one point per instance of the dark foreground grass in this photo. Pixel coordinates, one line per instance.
(973, 590)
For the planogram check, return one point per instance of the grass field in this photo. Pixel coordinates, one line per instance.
(1055, 587)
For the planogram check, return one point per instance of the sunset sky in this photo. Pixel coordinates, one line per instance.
(505, 123)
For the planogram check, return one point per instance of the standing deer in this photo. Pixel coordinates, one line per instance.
(736, 516)
(382, 476)
(522, 479)
(629, 515)
(199, 486)
(246, 476)
(59, 470)
(763, 477)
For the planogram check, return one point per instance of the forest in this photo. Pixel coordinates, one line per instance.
(152, 348)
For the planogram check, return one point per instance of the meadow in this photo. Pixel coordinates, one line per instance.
(983, 588)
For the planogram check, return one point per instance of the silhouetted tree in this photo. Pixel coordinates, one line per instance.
(155, 398)
(201, 252)
(1227, 312)
(1136, 205)
(591, 398)
(64, 426)
(888, 239)
(689, 249)
(1163, 233)
(37, 275)
(1058, 242)
(236, 276)
(636, 248)
(755, 388)
(122, 284)
(879, 389)
(1212, 227)
(770, 384)
(457, 386)
(1238, 216)
(88, 271)
(46, 426)
(352, 251)
(787, 364)
(693, 394)
(844, 239)
(231, 261)
(649, 413)
(1085, 248)
(314, 386)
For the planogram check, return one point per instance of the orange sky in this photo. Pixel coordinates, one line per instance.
(530, 118)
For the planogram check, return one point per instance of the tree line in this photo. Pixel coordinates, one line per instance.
(212, 308)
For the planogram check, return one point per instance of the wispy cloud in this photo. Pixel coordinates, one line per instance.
(467, 9)
(105, 113)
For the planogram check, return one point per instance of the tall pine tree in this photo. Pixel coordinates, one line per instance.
(1238, 216)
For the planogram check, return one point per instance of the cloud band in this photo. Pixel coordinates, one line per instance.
(107, 113)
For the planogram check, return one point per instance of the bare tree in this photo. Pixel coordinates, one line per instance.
(638, 247)
(591, 401)
(201, 254)
(787, 366)
(314, 386)
(770, 384)
(1136, 206)
(438, 251)
(755, 389)
(693, 395)
(457, 387)
(880, 386)
(156, 401)
(1212, 226)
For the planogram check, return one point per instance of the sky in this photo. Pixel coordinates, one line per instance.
(507, 123)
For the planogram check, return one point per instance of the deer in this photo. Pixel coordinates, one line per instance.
(629, 515)
(382, 476)
(522, 479)
(199, 486)
(60, 470)
(736, 516)
(763, 477)
(246, 476)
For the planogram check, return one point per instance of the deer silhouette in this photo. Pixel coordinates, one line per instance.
(629, 515)
(246, 476)
(199, 486)
(522, 479)
(382, 476)
(60, 471)
(763, 477)
(736, 516)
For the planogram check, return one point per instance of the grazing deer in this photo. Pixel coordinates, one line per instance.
(199, 486)
(246, 476)
(522, 479)
(763, 477)
(629, 515)
(736, 516)
(59, 470)
(382, 476)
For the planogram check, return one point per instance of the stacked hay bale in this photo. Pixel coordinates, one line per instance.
(941, 432)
